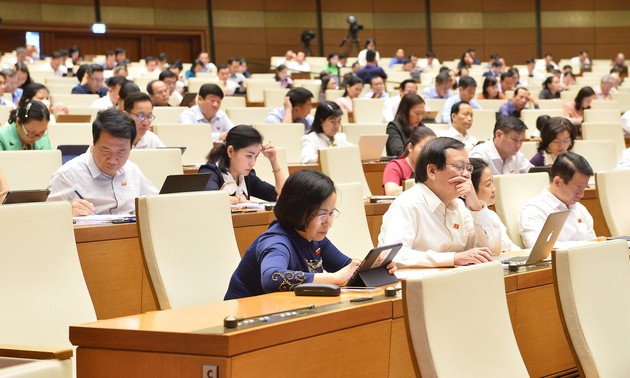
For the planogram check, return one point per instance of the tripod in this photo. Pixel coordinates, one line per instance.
(355, 41)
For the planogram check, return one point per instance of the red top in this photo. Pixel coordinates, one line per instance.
(396, 171)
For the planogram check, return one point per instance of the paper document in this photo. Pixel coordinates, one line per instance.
(96, 219)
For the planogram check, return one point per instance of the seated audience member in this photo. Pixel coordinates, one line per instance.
(4, 187)
(391, 104)
(377, 88)
(208, 111)
(3, 81)
(441, 88)
(508, 81)
(121, 71)
(289, 56)
(23, 75)
(557, 136)
(332, 67)
(430, 62)
(568, 81)
(94, 82)
(496, 69)
(120, 54)
(234, 67)
(243, 68)
(162, 61)
(370, 45)
(547, 60)
(102, 180)
(490, 90)
(228, 86)
(343, 60)
(170, 80)
(371, 69)
(27, 128)
(398, 171)
(328, 82)
(624, 160)
(11, 85)
(619, 64)
(453, 231)
(353, 89)
(570, 175)
(531, 69)
(324, 133)
(551, 88)
(605, 88)
(481, 178)
(295, 250)
(582, 60)
(150, 65)
(299, 64)
(282, 76)
(207, 65)
(159, 92)
(125, 91)
(466, 61)
(232, 166)
(296, 109)
(521, 98)
(408, 117)
(502, 153)
(399, 58)
(140, 108)
(197, 66)
(114, 84)
(39, 92)
(461, 122)
(574, 110)
(466, 92)
(110, 61)
(55, 65)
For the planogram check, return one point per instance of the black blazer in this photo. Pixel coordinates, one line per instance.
(255, 186)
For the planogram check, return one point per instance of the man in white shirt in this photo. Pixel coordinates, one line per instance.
(299, 64)
(502, 153)
(55, 65)
(461, 117)
(466, 87)
(430, 62)
(229, 87)
(208, 111)
(571, 173)
(208, 66)
(436, 227)
(234, 67)
(582, 60)
(102, 180)
(605, 88)
(391, 104)
(159, 92)
(170, 79)
(296, 109)
(140, 107)
(377, 88)
(624, 160)
(114, 84)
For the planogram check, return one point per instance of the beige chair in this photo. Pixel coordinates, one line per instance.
(256, 87)
(605, 131)
(189, 263)
(195, 83)
(354, 131)
(568, 95)
(623, 99)
(602, 115)
(350, 232)
(29, 169)
(233, 102)
(350, 171)
(5, 111)
(443, 313)
(512, 193)
(59, 89)
(74, 100)
(494, 105)
(287, 135)
(263, 166)
(592, 285)
(70, 133)
(529, 149)
(333, 94)
(529, 117)
(86, 110)
(314, 86)
(274, 98)
(606, 105)
(167, 114)
(156, 164)
(435, 104)
(550, 104)
(247, 116)
(611, 192)
(600, 154)
(197, 139)
(44, 291)
(367, 110)
(27, 367)
(408, 184)
(483, 124)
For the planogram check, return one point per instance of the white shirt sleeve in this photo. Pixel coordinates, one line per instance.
(531, 222)
(309, 149)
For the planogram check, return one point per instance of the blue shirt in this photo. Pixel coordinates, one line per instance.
(448, 104)
(366, 73)
(277, 115)
(431, 92)
(508, 109)
(84, 89)
(279, 260)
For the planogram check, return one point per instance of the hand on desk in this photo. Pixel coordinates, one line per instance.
(81, 207)
(473, 256)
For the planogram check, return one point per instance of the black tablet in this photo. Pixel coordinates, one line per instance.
(185, 183)
(373, 269)
(188, 100)
(26, 196)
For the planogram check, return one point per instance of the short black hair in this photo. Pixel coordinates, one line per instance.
(467, 81)
(30, 91)
(443, 77)
(131, 100)
(119, 51)
(299, 96)
(418, 135)
(478, 166)
(434, 152)
(567, 163)
(150, 86)
(150, 58)
(210, 89)
(116, 123)
(404, 83)
(302, 194)
(92, 68)
(530, 60)
(508, 124)
(325, 110)
(370, 56)
(167, 74)
(232, 60)
(430, 54)
(551, 128)
(116, 80)
(127, 89)
(457, 105)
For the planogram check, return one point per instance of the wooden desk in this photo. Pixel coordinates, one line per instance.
(343, 340)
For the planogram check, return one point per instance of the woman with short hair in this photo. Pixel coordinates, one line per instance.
(324, 132)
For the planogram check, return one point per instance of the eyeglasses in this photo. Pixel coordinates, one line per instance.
(142, 117)
(561, 141)
(33, 135)
(324, 217)
(461, 166)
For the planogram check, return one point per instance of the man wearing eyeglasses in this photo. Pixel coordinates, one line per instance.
(440, 221)
(140, 108)
(93, 83)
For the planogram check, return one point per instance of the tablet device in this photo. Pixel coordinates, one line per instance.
(183, 149)
(185, 183)
(430, 115)
(26, 196)
(189, 99)
(373, 269)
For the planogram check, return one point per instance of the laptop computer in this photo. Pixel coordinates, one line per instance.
(185, 183)
(373, 269)
(545, 241)
(371, 147)
(26, 196)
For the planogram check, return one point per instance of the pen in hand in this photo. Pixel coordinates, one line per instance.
(81, 197)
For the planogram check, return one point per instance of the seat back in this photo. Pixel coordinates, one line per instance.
(233, 102)
(158, 163)
(333, 94)
(29, 169)
(70, 133)
(354, 131)
(263, 166)
(602, 115)
(601, 154)
(593, 294)
(529, 117)
(274, 97)
(367, 110)
(248, 116)
(5, 111)
(197, 138)
(314, 86)
(435, 104)
(624, 100)
(85, 110)
(483, 124)
(494, 105)
(256, 87)
(529, 149)
(188, 262)
(167, 114)
(550, 104)
(350, 232)
(445, 346)
(343, 165)
(606, 104)
(602, 131)
(512, 193)
(71, 100)
(287, 135)
(611, 191)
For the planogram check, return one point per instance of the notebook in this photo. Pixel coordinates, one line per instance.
(373, 269)
(545, 241)
(371, 147)
(26, 196)
(185, 183)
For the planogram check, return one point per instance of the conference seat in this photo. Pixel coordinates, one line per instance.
(354, 131)
(233, 102)
(529, 149)
(263, 166)
(287, 135)
(274, 98)
(602, 115)
(197, 138)
(247, 116)
(314, 86)
(529, 117)
(158, 163)
(44, 291)
(333, 94)
(483, 124)
(72, 100)
(512, 192)
(606, 105)
(350, 232)
(58, 89)
(256, 87)
(611, 191)
(550, 104)
(624, 100)
(167, 114)
(600, 154)
(458, 324)
(84, 110)
(569, 95)
(494, 105)
(437, 105)
(188, 246)
(343, 165)
(195, 83)
(605, 131)
(5, 112)
(592, 285)
(70, 134)
(29, 169)
(367, 110)
(408, 184)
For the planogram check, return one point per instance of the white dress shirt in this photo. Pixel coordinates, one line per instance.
(175, 99)
(390, 107)
(361, 58)
(487, 151)
(577, 228)
(468, 140)
(220, 122)
(102, 103)
(624, 160)
(313, 142)
(507, 244)
(432, 232)
(110, 195)
(370, 94)
(149, 140)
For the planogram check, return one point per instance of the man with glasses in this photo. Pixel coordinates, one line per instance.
(159, 92)
(208, 111)
(102, 180)
(139, 106)
(502, 154)
(93, 82)
(440, 221)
